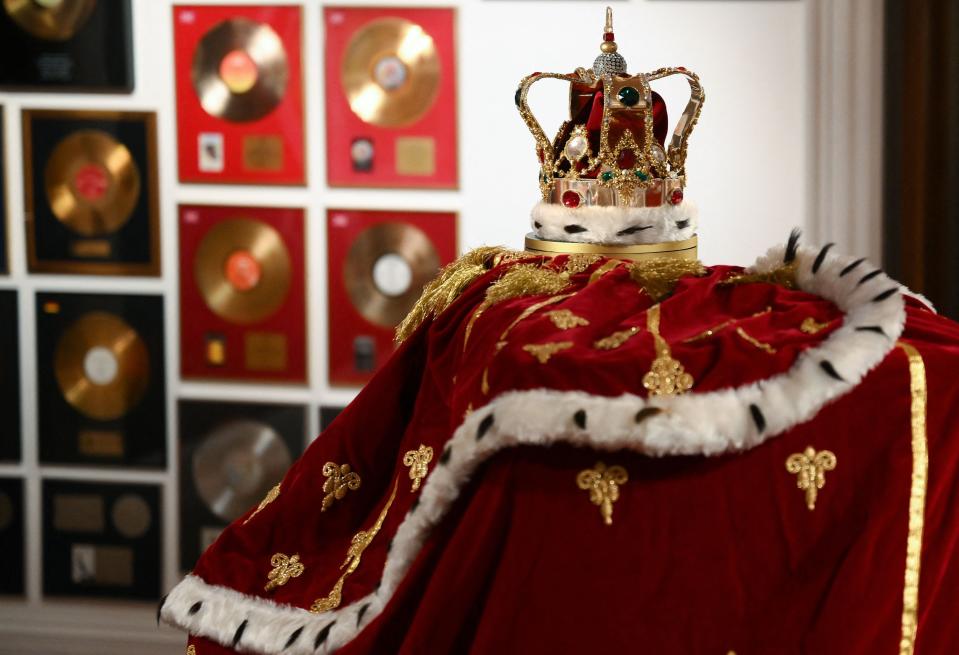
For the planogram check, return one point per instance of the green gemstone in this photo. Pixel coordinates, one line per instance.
(642, 176)
(607, 176)
(629, 96)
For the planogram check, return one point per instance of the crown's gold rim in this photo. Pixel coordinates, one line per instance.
(686, 249)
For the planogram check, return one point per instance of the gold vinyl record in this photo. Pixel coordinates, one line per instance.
(51, 20)
(236, 464)
(240, 70)
(242, 269)
(390, 72)
(102, 366)
(386, 269)
(92, 183)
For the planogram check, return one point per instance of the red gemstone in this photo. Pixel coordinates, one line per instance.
(571, 199)
(676, 196)
(539, 153)
(626, 159)
(608, 36)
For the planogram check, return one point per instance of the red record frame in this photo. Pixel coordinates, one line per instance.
(266, 344)
(265, 150)
(421, 154)
(357, 346)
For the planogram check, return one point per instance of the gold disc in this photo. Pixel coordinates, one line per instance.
(51, 20)
(102, 366)
(236, 464)
(386, 269)
(242, 269)
(240, 70)
(92, 183)
(390, 72)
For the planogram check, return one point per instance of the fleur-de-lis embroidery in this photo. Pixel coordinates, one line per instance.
(602, 483)
(418, 461)
(543, 351)
(812, 326)
(271, 495)
(339, 479)
(285, 568)
(564, 319)
(810, 468)
(191, 650)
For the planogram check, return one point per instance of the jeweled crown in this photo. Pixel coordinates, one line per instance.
(612, 151)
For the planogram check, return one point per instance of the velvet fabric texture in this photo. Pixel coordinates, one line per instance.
(703, 554)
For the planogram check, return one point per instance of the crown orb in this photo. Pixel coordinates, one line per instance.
(609, 64)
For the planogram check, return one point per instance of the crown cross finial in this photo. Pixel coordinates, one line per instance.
(609, 62)
(609, 20)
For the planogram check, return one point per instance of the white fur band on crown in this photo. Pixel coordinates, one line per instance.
(615, 225)
(708, 423)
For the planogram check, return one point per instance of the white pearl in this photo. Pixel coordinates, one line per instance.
(576, 147)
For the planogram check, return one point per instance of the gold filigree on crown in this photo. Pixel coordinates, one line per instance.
(612, 151)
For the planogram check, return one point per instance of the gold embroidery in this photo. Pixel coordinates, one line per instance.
(339, 479)
(285, 568)
(447, 287)
(565, 319)
(810, 469)
(756, 342)
(705, 334)
(616, 339)
(812, 326)
(418, 460)
(784, 276)
(484, 382)
(658, 277)
(603, 486)
(917, 498)
(604, 269)
(271, 495)
(191, 650)
(543, 351)
(361, 540)
(519, 281)
(666, 376)
(577, 263)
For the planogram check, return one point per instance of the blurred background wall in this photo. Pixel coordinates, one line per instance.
(790, 135)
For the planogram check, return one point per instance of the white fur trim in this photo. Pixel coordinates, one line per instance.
(695, 424)
(604, 224)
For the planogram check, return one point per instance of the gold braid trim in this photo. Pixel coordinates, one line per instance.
(658, 277)
(784, 276)
(446, 287)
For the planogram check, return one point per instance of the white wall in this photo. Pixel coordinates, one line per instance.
(747, 170)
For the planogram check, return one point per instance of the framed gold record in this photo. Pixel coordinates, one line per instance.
(50, 20)
(91, 192)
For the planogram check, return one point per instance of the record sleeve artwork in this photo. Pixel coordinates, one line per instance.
(101, 539)
(231, 456)
(67, 45)
(90, 180)
(242, 293)
(239, 94)
(391, 97)
(101, 382)
(378, 262)
(11, 535)
(9, 377)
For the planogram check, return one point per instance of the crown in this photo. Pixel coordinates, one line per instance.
(611, 156)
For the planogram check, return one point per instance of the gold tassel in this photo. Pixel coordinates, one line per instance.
(658, 277)
(446, 287)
